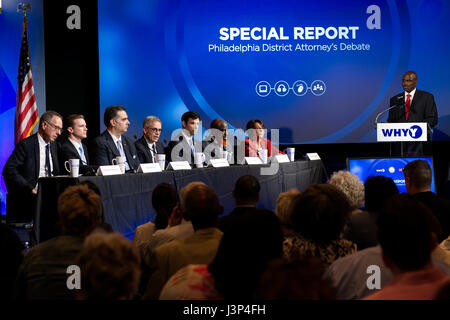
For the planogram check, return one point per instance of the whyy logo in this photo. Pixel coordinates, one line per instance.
(414, 132)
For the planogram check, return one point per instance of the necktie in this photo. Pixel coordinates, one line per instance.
(407, 105)
(47, 160)
(83, 157)
(153, 149)
(122, 154)
(191, 142)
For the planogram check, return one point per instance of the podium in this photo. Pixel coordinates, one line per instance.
(413, 133)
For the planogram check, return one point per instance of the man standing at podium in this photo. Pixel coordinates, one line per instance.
(414, 105)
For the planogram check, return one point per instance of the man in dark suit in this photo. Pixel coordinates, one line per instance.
(246, 194)
(32, 158)
(183, 146)
(418, 179)
(73, 147)
(148, 146)
(112, 143)
(414, 106)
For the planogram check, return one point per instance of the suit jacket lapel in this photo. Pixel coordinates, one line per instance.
(74, 150)
(416, 98)
(36, 155)
(146, 148)
(112, 145)
(126, 150)
(159, 148)
(86, 155)
(55, 170)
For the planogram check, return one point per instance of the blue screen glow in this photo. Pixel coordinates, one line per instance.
(388, 167)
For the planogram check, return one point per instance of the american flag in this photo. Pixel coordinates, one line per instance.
(26, 109)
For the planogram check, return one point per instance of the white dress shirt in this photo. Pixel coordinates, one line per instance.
(77, 146)
(410, 93)
(42, 145)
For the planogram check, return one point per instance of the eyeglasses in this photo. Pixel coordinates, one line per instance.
(54, 127)
(155, 130)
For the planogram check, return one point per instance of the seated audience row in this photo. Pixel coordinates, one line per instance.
(304, 251)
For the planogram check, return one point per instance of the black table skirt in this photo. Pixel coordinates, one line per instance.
(127, 198)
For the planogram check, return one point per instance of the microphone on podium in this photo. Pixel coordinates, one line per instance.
(398, 103)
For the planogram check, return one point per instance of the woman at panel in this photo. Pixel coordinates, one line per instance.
(257, 140)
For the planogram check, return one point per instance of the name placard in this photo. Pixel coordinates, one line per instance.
(109, 170)
(219, 163)
(313, 156)
(149, 167)
(281, 158)
(253, 160)
(179, 165)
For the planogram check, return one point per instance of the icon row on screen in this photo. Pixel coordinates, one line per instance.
(282, 88)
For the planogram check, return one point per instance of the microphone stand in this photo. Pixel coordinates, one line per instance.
(376, 123)
(381, 113)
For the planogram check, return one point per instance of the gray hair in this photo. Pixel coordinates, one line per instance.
(48, 116)
(350, 185)
(149, 120)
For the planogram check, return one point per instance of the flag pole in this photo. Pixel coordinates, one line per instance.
(26, 109)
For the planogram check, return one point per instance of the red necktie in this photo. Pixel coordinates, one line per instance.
(407, 105)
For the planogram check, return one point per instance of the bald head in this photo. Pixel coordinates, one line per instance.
(185, 190)
(409, 81)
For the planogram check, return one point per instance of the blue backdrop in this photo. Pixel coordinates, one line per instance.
(317, 86)
(11, 27)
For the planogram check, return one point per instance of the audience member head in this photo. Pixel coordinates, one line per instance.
(283, 208)
(76, 127)
(258, 129)
(351, 186)
(244, 251)
(11, 255)
(50, 126)
(320, 212)
(116, 120)
(92, 186)
(202, 207)
(417, 176)
(185, 190)
(152, 128)
(295, 280)
(246, 190)
(80, 210)
(164, 199)
(110, 267)
(377, 189)
(190, 121)
(405, 233)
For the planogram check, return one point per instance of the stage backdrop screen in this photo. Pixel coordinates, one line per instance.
(320, 71)
(388, 167)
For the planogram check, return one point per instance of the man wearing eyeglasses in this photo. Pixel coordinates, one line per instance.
(148, 146)
(32, 158)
